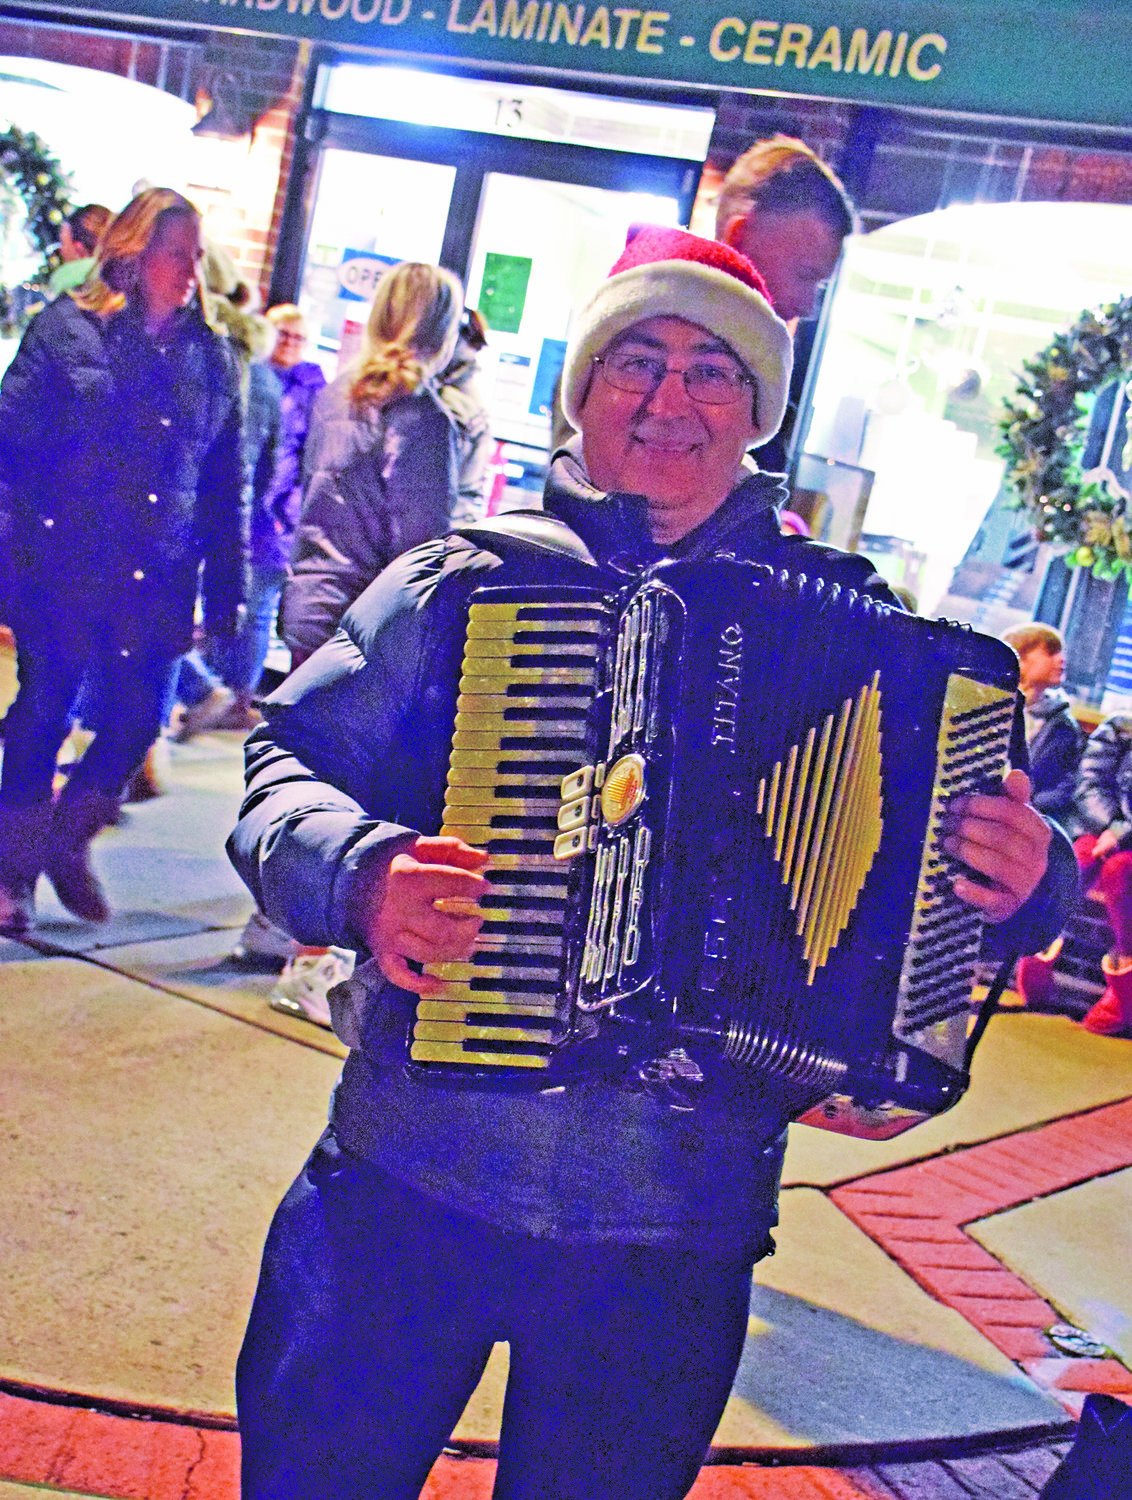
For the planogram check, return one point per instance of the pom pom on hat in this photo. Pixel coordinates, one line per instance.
(669, 273)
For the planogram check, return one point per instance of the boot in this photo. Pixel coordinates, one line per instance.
(1112, 1014)
(22, 835)
(1034, 980)
(76, 820)
(145, 782)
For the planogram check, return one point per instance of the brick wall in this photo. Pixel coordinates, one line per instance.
(239, 185)
(261, 81)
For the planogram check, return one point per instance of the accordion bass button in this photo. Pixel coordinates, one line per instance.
(573, 815)
(578, 784)
(568, 845)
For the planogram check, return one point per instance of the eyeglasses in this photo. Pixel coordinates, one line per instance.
(707, 383)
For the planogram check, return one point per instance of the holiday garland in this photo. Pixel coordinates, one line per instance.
(38, 180)
(1089, 515)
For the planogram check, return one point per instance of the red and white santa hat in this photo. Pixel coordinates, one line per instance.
(665, 273)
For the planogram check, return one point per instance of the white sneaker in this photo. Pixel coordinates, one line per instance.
(304, 984)
(262, 945)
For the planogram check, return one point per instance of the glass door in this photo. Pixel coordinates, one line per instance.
(370, 212)
(539, 250)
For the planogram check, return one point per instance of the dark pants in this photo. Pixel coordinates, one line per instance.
(377, 1309)
(52, 663)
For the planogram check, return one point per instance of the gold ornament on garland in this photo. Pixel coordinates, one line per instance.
(1088, 515)
(35, 175)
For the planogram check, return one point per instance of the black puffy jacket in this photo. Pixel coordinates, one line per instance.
(1104, 780)
(120, 474)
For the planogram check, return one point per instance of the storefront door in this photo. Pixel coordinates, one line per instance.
(530, 226)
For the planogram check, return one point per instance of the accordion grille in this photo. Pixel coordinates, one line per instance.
(822, 813)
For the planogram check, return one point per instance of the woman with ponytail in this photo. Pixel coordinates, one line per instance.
(381, 455)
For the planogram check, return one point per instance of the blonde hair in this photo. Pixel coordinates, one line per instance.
(410, 334)
(285, 312)
(114, 277)
(782, 175)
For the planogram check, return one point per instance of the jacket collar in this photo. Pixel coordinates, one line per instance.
(614, 526)
(1052, 701)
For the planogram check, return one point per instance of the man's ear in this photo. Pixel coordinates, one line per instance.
(732, 232)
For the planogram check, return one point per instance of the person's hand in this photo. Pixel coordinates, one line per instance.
(1005, 841)
(424, 910)
(1107, 843)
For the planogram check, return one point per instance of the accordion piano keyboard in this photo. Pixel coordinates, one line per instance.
(528, 681)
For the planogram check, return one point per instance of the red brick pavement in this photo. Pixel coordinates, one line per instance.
(128, 1458)
(919, 1214)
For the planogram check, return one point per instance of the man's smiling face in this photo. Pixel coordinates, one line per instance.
(682, 455)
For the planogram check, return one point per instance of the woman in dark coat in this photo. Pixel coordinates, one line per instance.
(381, 456)
(120, 474)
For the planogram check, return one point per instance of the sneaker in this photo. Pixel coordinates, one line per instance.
(204, 715)
(305, 983)
(262, 945)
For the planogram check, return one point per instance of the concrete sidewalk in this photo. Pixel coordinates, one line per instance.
(156, 1108)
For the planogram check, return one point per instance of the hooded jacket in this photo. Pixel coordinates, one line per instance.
(351, 760)
(377, 483)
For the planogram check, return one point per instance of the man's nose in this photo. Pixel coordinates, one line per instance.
(670, 394)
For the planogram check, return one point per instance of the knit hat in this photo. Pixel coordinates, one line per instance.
(668, 273)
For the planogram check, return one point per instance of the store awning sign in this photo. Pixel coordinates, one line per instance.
(1048, 59)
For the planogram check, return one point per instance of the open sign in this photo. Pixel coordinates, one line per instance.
(358, 274)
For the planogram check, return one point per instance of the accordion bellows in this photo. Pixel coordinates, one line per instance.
(714, 807)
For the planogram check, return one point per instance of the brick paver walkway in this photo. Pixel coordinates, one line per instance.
(917, 1213)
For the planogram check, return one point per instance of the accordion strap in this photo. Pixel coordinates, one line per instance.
(988, 1008)
(524, 530)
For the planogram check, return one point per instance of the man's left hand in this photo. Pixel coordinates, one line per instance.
(1004, 841)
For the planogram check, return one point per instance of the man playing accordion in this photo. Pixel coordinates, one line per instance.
(607, 1236)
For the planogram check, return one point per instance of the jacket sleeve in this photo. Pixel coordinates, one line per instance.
(25, 400)
(1098, 798)
(222, 519)
(339, 772)
(1055, 769)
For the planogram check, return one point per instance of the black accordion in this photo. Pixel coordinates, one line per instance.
(713, 806)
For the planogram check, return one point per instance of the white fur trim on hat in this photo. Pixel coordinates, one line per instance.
(701, 294)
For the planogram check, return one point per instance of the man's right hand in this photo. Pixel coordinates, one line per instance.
(410, 917)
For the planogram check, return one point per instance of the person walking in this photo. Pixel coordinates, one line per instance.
(120, 475)
(382, 466)
(262, 945)
(783, 208)
(381, 456)
(78, 238)
(458, 384)
(217, 692)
